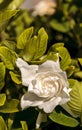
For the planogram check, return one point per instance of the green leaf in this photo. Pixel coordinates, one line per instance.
(36, 46)
(8, 57)
(2, 75)
(78, 74)
(80, 61)
(24, 125)
(61, 27)
(2, 99)
(75, 102)
(63, 119)
(24, 37)
(65, 57)
(10, 106)
(7, 14)
(2, 124)
(15, 77)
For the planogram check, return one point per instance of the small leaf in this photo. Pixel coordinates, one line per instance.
(15, 77)
(8, 57)
(2, 99)
(10, 106)
(24, 37)
(7, 14)
(2, 75)
(24, 125)
(65, 57)
(63, 119)
(2, 124)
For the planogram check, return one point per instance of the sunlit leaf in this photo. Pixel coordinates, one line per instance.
(7, 14)
(8, 57)
(80, 61)
(24, 37)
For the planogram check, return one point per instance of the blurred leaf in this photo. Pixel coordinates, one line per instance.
(10, 44)
(2, 124)
(80, 61)
(24, 37)
(14, 4)
(15, 77)
(36, 46)
(61, 27)
(63, 119)
(56, 45)
(78, 74)
(2, 99)
(7, 14)
(24, 125)
(10, 106)
(75, 102)
(2, 75)
(8, 56)
(70, 70)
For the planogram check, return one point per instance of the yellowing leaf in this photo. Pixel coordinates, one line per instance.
(2, 99)
(2, 75)
(2, 124)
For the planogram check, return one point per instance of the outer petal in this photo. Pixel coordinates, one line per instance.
(49, 106)
(27, 71)
(50, 65)
(30, 99)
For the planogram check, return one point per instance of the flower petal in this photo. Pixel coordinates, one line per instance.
(50, 65)
(27, 71)
(49, 106)
(30, 99)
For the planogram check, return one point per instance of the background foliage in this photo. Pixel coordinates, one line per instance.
(37, 39)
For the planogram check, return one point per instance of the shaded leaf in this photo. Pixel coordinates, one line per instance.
(2, 75)
(63, 119)
(24, 125)
(80, 61)
(10, 106)
(2, 124)
(2, 99)
(75, 102)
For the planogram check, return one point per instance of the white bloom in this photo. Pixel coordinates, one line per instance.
(47, 85)
(40, 7)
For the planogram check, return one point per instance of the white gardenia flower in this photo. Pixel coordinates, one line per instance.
(47, 85)
(40, 7)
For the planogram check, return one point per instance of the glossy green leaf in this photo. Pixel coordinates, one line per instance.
(7, 14)
(36, 46)
(8, 57)
(2, 75)
(2, 99)
(75, 102)
(24, 125)
(2, 124)
(63, 119)
(10, 106)
(65, 57)
(24, 37)
(15, 77)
